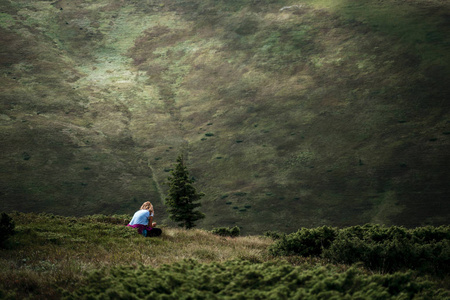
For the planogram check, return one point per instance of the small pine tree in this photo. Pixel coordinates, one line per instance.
(183, 197)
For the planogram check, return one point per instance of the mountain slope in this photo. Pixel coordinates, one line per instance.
(290, 113)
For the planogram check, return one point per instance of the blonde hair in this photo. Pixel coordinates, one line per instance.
(147, 206)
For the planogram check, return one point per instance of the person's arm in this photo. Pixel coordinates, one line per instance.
(150, 220)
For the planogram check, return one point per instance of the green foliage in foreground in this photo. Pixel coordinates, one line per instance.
(244, 280)
(379, 248)
(227, 231)
(52, 256)
(6, 228)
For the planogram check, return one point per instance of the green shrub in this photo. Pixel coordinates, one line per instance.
(389, 249)
(429, 234)
(6, 228)
(227, 231)
(305, 242)
(379, 248)
(274, 235)
(240, 279)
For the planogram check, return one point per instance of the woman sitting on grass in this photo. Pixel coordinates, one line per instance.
(143, 221)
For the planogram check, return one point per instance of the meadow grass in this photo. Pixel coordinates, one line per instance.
(50, 252)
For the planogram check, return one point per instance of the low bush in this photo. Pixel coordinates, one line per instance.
(239, 279)
(7, 226)
(389, 249)
(274, 235)
(227, 231)
(379, 248)
(305, 242)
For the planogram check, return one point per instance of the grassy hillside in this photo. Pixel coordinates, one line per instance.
(97, 257)
(291, 113)
(50, 252)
